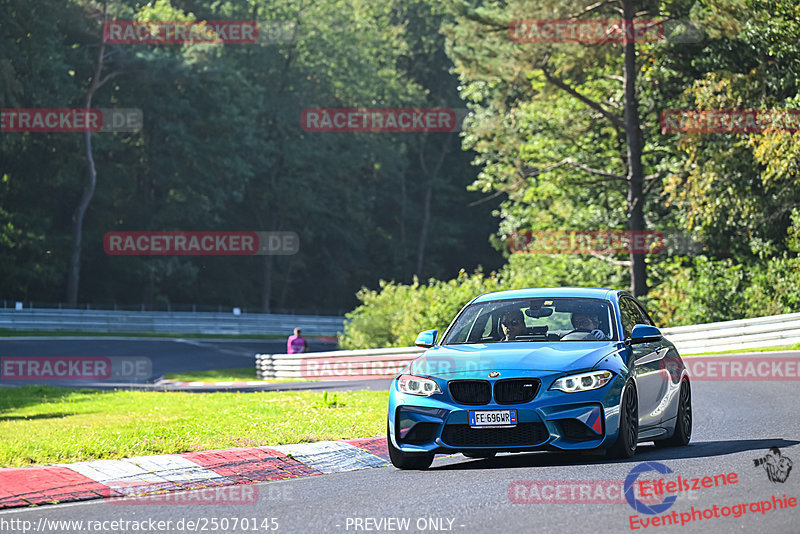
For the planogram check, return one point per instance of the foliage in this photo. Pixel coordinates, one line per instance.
(393, 316)
(690, 291)
(333, 401)
(222, 149)
(737, 191)
(686, 290)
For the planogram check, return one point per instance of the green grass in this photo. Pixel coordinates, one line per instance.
(739, 351)
(8, 332)
(227, 375)
(42, 424)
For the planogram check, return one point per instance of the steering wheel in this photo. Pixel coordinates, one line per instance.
(576, 330)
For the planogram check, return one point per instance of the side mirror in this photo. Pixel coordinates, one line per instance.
(426, 339)
(644, 333)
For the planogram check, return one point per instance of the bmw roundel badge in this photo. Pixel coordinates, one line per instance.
(494, 374)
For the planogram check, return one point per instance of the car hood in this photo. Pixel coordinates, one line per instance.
(449, 360)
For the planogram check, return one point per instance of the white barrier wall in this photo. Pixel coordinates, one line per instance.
(337, 364)
(771, 331)
(170, 322)
(776, 330)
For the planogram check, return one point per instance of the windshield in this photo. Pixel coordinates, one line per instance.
(534, 320)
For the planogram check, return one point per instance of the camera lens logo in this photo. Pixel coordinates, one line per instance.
(638, 505)
(776, 465)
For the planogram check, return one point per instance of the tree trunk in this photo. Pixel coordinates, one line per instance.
(266, 289)
(77, 222)
(426, 208)
(403, 246)
(285, 290)
(633, 133)
(423, 233)
(73, 278)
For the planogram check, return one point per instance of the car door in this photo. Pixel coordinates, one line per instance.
(651, 387)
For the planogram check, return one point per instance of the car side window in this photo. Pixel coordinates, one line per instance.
(629, 315)
(645, 318)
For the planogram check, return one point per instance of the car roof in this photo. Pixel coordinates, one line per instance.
(586, 292)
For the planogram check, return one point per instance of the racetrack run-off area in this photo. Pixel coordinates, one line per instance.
(736, 423)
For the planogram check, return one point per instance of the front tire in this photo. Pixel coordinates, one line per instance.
(407, 460)
(628, 436)
(683, 423)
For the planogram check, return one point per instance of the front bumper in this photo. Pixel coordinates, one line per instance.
(552, 420)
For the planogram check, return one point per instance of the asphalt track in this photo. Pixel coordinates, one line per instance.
(167, 355)
(735, 423)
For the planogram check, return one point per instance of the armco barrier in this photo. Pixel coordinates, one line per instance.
(337, 364)
(769, 331)
(168, 322)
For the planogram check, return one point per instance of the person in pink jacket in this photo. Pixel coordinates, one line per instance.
(296, 343)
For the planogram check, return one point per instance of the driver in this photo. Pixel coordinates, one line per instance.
(591, 322)
(512, 324)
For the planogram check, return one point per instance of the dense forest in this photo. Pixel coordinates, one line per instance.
(222, 148)
(559, 135)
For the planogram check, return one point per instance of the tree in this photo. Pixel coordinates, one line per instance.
(98, 80)
(539, 150)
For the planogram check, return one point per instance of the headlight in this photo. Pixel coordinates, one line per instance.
(583, 381)
(416, 385)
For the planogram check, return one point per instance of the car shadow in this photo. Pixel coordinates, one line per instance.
(702, 449)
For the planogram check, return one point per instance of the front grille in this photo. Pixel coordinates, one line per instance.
(420, 433)
(473, 392)
(520, 435)
(515, 390)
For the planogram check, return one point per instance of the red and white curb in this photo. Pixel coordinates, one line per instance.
(162, 474)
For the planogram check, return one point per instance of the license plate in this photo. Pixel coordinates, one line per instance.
(488, 418)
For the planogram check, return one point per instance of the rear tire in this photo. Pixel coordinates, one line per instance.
(407, 460)
(683, 423)
(628, 437)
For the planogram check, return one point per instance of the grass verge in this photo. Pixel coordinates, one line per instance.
(43, 424)
(740, 351)
(238, 374)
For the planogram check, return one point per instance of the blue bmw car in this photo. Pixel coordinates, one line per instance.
(566, 369)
